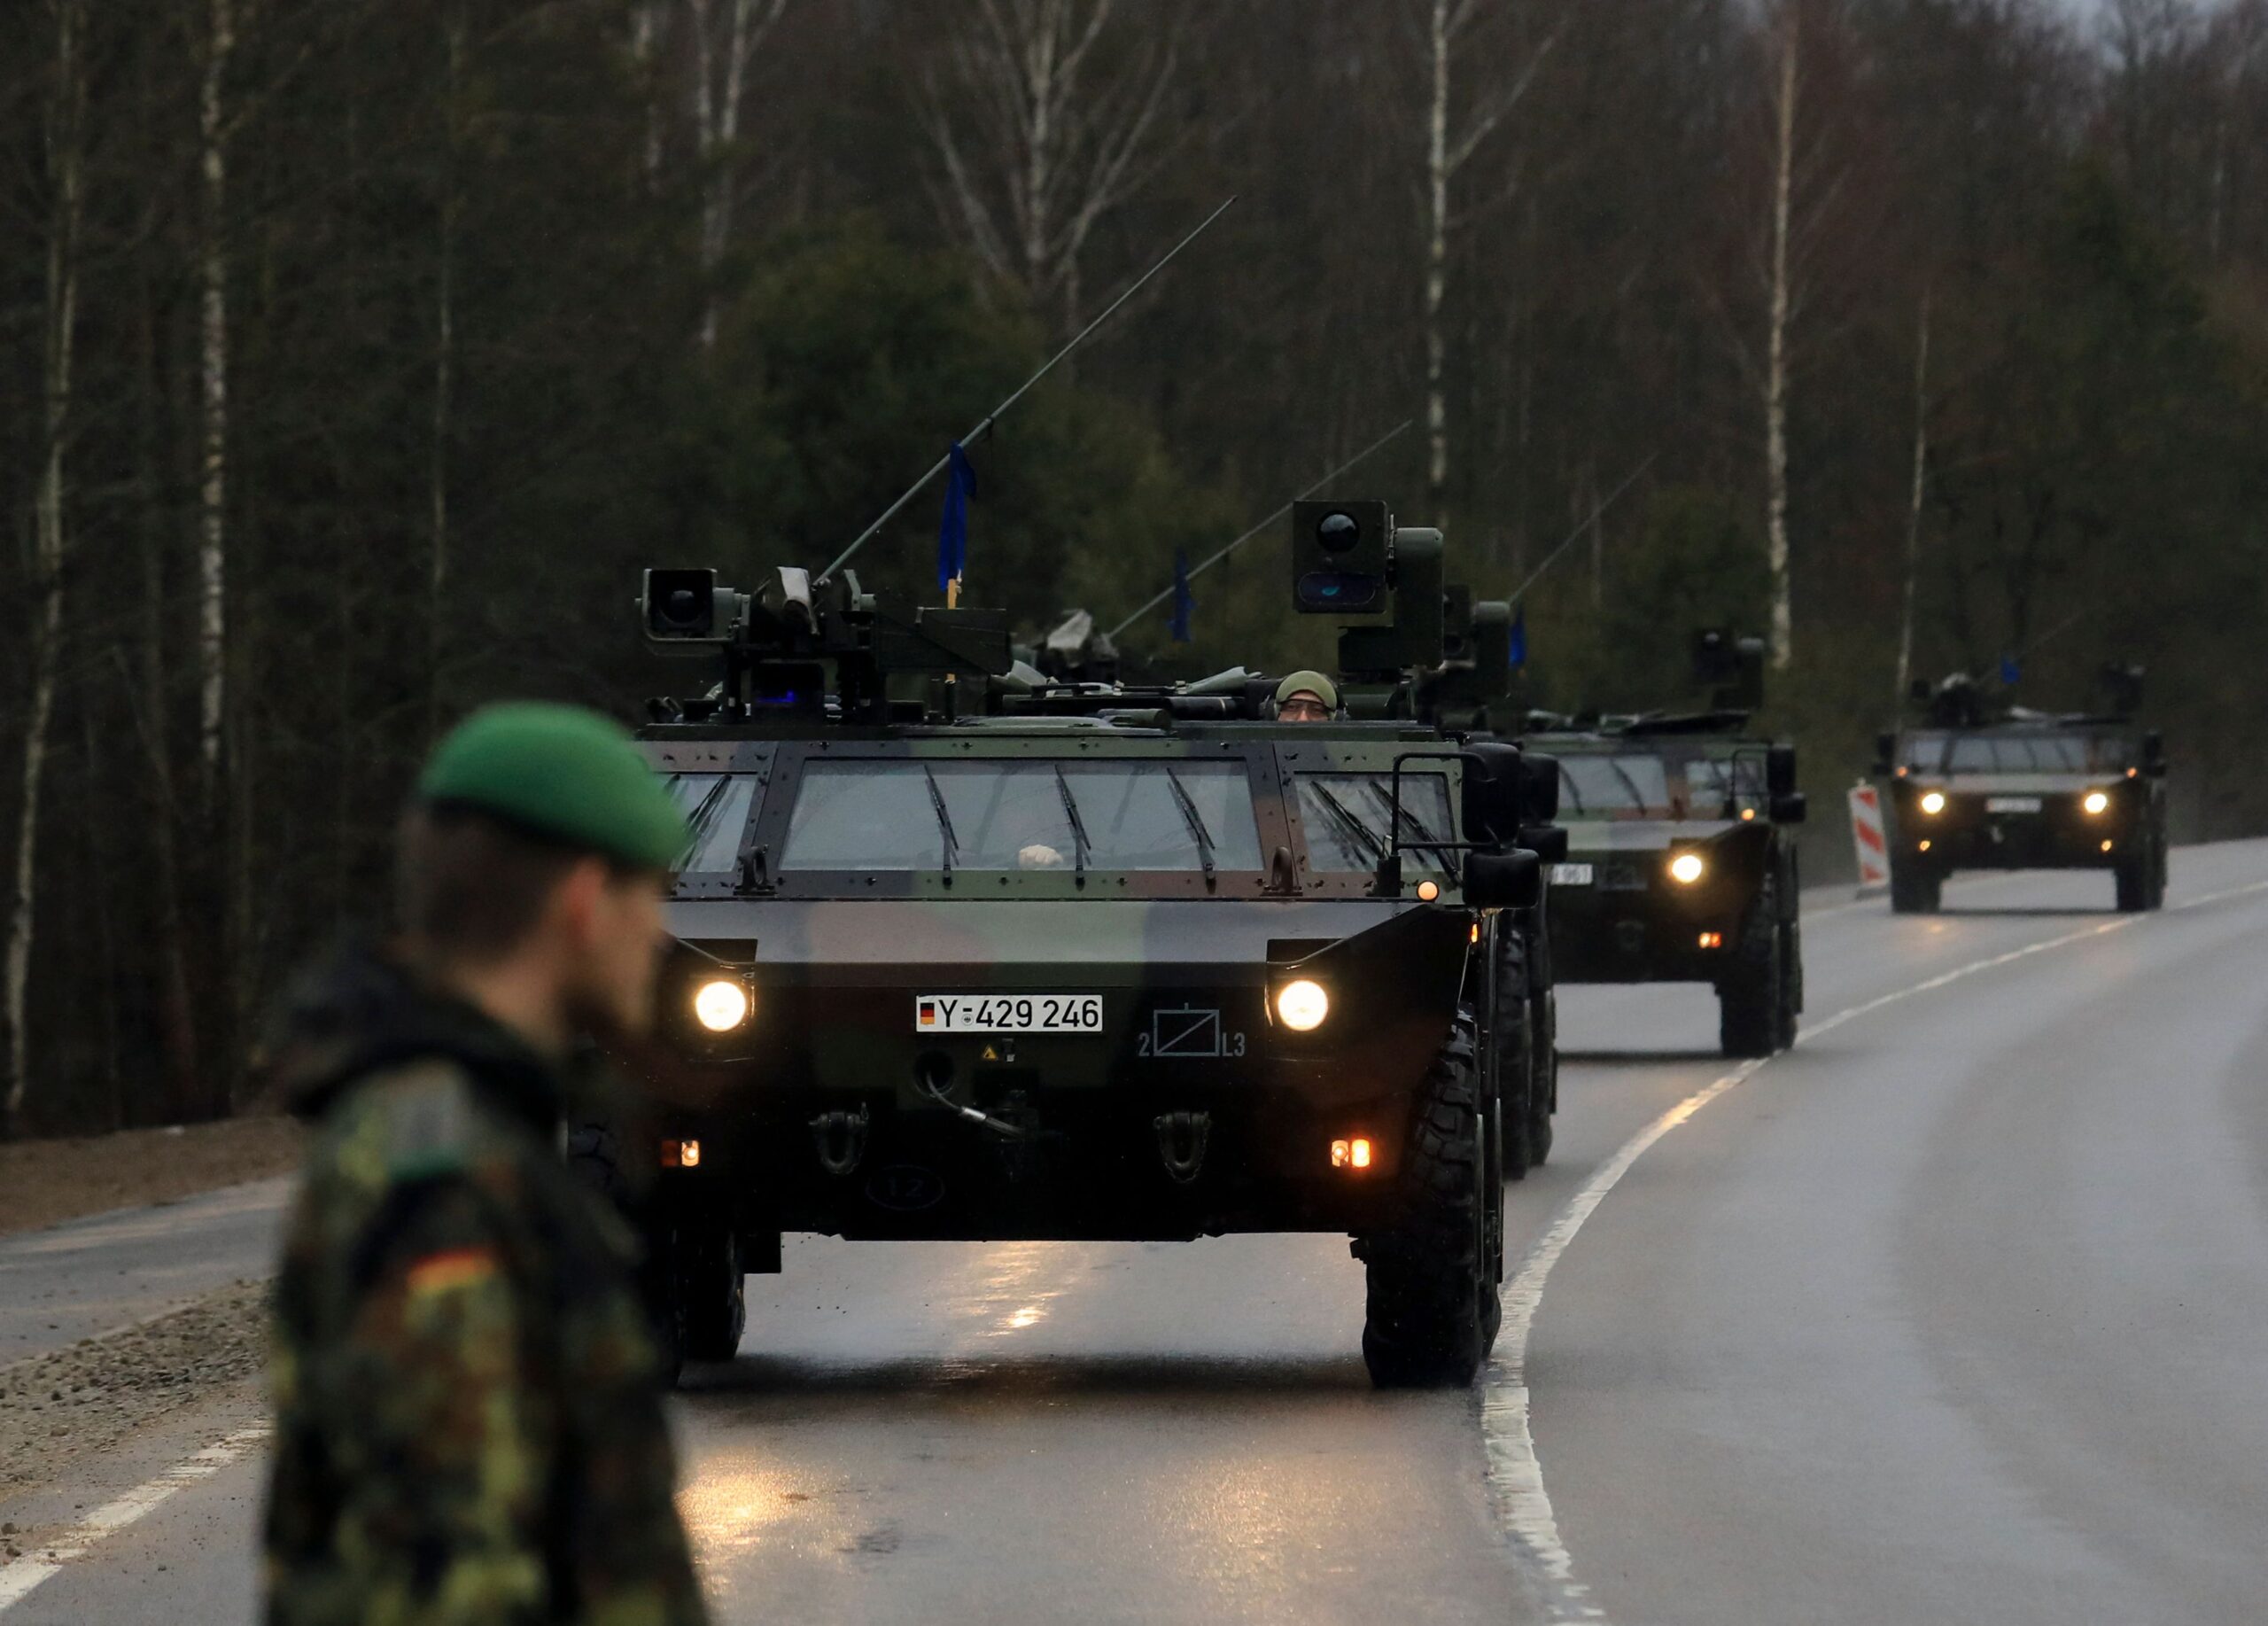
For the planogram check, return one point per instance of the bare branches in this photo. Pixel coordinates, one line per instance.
(1039, 122)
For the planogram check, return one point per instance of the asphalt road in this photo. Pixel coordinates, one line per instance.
(1954, 1312)
(89, 1276)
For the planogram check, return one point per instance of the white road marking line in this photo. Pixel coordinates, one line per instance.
(1516, 1488)
(20, 1577)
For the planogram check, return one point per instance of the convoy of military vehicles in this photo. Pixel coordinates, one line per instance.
(976, 946)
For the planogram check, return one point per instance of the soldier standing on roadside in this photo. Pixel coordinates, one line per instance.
(468, 1419)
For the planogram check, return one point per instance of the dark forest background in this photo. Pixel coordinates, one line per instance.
(357, 353)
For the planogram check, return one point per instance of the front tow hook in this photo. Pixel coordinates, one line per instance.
(1181, 1144)
(842, 1140)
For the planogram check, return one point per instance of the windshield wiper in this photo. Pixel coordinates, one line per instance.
(1078, 825)
(1430, 845)
(1637, 797)
(1196, 823)
(944, 821)
(697, 820)
(1348, 824)
(1568, 786)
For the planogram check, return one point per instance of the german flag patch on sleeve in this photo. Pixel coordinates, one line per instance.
(451, 1269)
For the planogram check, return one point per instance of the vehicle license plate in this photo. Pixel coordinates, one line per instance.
(1570, 874)
(2012, 803)
(1007, 1013)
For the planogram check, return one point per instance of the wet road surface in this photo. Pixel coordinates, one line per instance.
(1954, 1312)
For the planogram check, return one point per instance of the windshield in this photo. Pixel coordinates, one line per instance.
(1348, 817)
(1729, 783)
(1593, 787)
(716, 806)
(2018, 753)
(1070, 816)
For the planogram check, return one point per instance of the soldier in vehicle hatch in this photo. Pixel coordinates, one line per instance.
(468, 1426)
(1307, 698)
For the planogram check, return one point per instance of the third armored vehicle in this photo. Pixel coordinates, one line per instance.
(1976, 787)
(964, 953)
(1680, 862)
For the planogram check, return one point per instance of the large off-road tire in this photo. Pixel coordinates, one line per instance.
(1753, 1014)
(1543, 1094)
(1511, 1055)
(713, 1285)
(1791, 982)
(689, 1274)
(1434, 1305)
(1914, 890)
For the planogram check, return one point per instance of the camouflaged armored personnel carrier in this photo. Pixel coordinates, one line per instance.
(1973, 786)
(1681, 863)
(964, 953)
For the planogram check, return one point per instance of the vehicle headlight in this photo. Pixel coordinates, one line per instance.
(721, 1004)
(1303, 1005)
(1686, 868)
(1933, 801)
(2097, 801)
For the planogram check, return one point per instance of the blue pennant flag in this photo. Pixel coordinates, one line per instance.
(1520, 638)
(1184, 601)
(953, 529)
(2011, 669)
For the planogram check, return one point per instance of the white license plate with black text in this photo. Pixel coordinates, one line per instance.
(1007, 1013)
(1570, 874)
(2012, 803)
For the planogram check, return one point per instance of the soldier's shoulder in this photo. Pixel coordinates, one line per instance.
(418, 1121)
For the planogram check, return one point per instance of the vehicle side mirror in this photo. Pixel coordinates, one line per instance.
(2153, 754)
(1790, 809)
(1503, 880)
(1492, 792)
(1548, 842)
(1780, 771)
(1540, 803)
(1885, 755)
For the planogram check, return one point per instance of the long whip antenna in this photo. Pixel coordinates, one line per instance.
(1576, 535)
(985, 424)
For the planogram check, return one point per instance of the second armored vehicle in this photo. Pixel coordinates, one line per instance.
(1681, 863)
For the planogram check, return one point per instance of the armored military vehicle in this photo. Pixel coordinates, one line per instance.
(1681, 863)
(1977, 786)
(963, 952)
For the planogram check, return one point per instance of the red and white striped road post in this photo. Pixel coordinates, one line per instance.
(1867, 838)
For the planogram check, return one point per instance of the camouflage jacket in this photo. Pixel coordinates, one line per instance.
(469, 1421)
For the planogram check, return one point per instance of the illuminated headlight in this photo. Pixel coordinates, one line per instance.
(1933, 801)
(1303, 1005)
(2096, 802)
(1686, 868)
(720, 1005)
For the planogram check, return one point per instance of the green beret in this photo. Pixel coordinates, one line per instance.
(1314, 683)
(560, 772)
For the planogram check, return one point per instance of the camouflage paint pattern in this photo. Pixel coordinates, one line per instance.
(1185, 965)
(469, 1421)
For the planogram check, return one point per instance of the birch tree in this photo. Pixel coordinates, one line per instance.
(726, 36)
(1452, 141)
(213, 128)
(1042, 124)
(1917, 497)
(1780, 304)
(65, 144)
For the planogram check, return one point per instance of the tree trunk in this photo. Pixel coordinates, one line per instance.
(1437, 265)
(444, 379)
(213, 486)
(1776, 375)
(65, 153)
(1918, 495)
